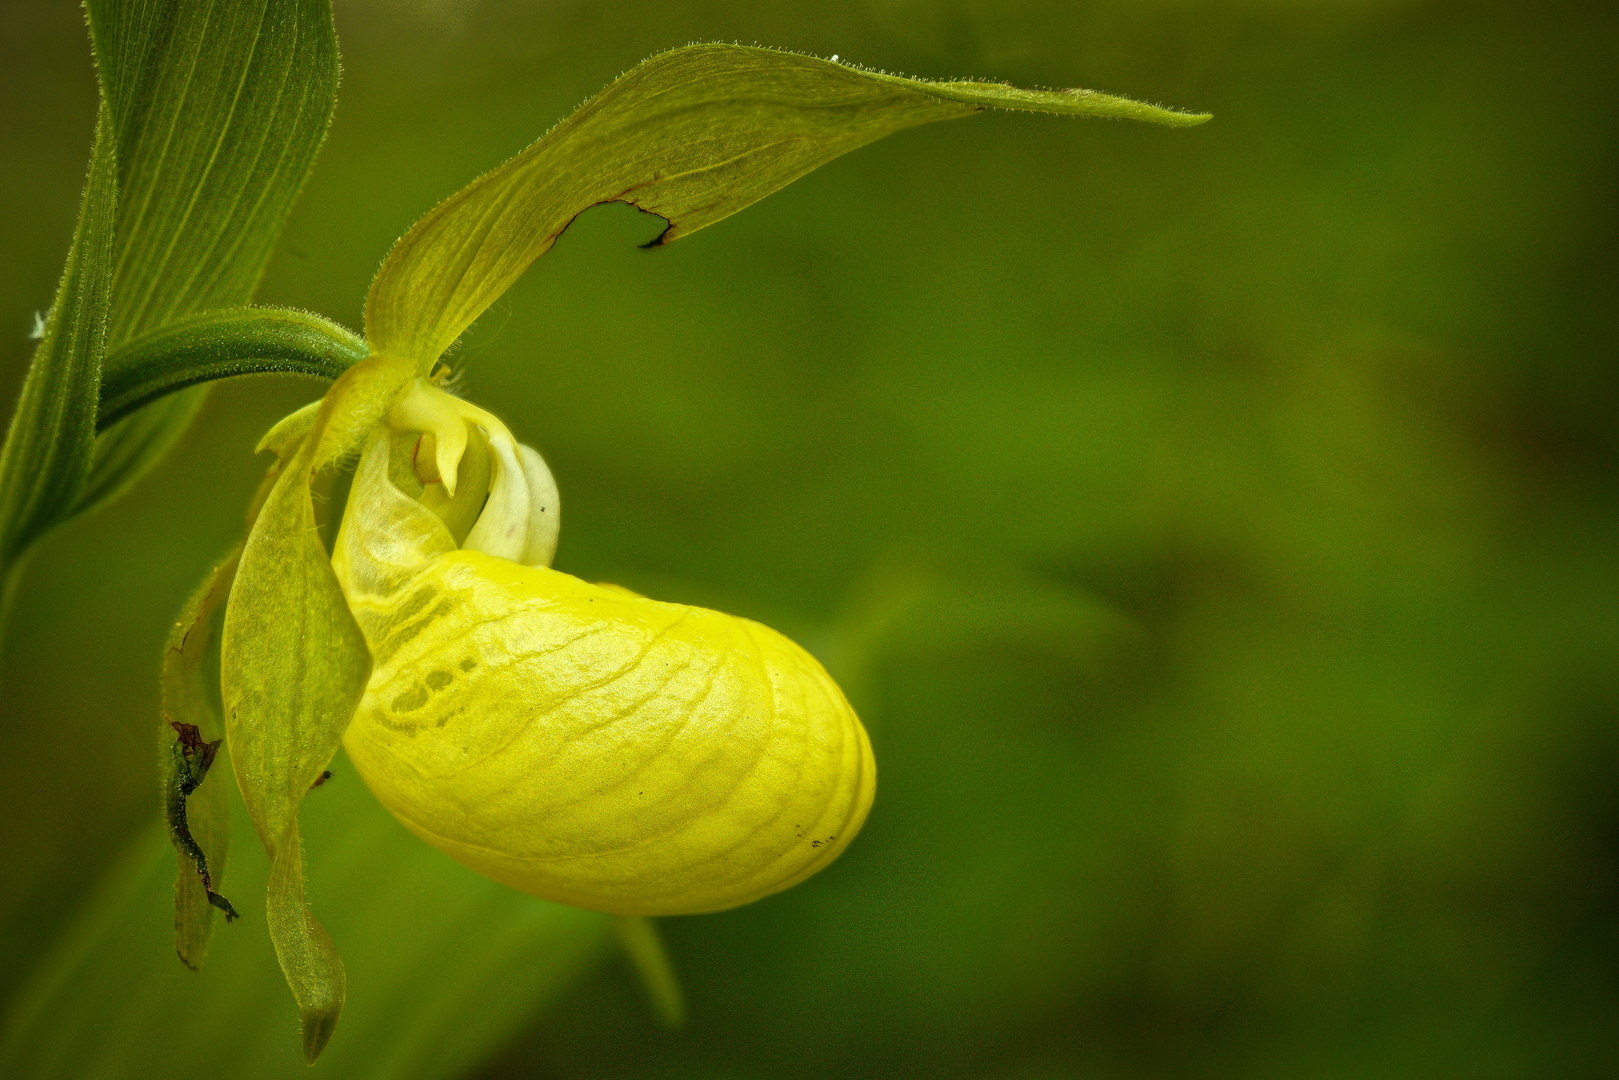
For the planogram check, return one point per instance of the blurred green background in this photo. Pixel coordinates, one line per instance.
(1215, 528)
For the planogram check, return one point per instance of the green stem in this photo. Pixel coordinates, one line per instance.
(218, 345)
(641, 943)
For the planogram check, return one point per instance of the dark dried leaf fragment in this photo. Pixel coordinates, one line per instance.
(190, 758)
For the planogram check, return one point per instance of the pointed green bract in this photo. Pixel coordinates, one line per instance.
(45, 461)
(294, 665)
(196, 796)
(218, 111)
(220, 344)
(692, 135)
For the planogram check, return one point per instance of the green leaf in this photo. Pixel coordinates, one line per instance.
(293, 667)
(693, 135)
(220, 344)
(218, 110)
(45, 461)
(196, 796)
(109, 1001)
(640, 941)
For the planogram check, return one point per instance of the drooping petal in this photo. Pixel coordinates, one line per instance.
(292, 665)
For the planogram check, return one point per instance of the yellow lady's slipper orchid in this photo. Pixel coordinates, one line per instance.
(575, 741)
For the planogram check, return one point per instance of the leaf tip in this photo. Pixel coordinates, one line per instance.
(318, 1024)
(1176, 118)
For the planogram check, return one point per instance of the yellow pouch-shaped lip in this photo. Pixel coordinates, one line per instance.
(582, 743)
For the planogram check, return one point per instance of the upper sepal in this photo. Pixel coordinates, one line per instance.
(692, 135)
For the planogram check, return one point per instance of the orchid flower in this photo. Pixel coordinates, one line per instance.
(573, 740)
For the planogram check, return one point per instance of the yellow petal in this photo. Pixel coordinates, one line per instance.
(423, 407)
(502, 528)
(582, 743)
(544, 509)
